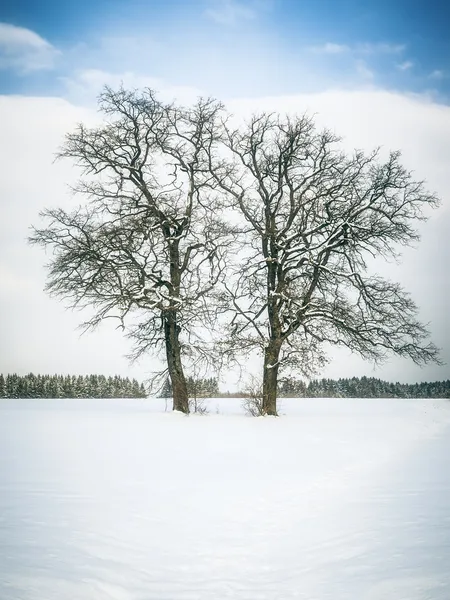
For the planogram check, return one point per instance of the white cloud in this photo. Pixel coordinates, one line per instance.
(405, 66)
(330, 48)
(40, 335)
(25, 50)
(357, 49)
(380, 48)
(230, 12)
(374, 117)
(437, 74)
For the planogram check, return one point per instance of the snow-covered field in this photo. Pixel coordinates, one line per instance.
(118, 500)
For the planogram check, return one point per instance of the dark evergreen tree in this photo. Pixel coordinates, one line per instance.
(166, 389)
(69, 386)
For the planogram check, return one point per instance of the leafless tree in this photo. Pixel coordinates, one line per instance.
(147, 246)
(315, 217)
(252, 402)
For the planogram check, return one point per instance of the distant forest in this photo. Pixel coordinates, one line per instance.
(355, 387)
(361, 387)
(69, 386)
(99, 386)
(199, 387)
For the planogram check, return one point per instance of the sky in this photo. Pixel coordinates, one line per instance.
(378, 73)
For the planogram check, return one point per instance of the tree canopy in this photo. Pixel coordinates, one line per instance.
(315, 217)
(263, 234)
(148, 245)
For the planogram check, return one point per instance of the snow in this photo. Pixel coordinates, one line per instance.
(119, 500)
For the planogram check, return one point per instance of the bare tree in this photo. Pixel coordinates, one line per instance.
(147, 246)
(252, 403)
(315, 217)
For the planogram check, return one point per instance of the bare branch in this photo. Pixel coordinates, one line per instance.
(316, 216)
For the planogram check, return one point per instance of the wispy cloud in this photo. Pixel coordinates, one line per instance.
(330, 48)
(438, 74)
(380, 48)
(405, 66)
(230, 12)
(363, 71)
(360, 49)
(24, 50)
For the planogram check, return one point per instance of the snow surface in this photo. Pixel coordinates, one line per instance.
(118, 500)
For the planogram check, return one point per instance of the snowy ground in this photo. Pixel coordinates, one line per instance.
(117, 500)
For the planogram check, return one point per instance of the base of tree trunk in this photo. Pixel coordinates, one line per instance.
(270, 379)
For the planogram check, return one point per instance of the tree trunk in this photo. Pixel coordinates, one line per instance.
(173, 353)
(270, 378)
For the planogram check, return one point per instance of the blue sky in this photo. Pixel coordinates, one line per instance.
(229, 47)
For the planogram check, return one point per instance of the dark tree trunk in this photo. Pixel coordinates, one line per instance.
(270, 378)
(173, 353)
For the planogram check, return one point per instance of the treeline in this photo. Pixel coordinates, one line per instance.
(69, 386)
(362, 387)
(99, 386)
(354, 387)
(197, 387)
